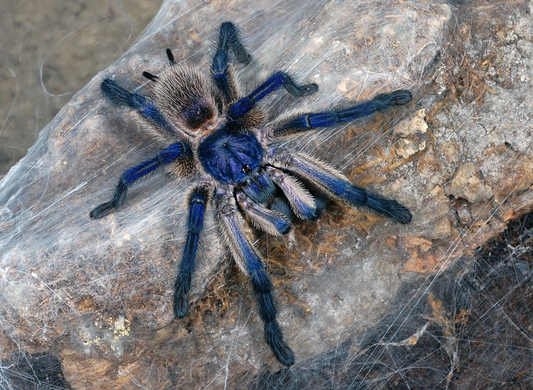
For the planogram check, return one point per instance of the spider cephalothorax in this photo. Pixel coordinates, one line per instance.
(218, 136)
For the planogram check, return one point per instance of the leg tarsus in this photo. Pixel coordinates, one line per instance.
(297, 90)
(182, 287)
(395, 98)
(389, 207)
(230, 32)
(102, 210)
(118, 200)
(274, 339)
(267, 311)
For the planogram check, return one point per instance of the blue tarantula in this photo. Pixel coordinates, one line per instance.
(219, 137)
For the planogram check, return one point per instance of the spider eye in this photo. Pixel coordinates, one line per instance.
(197, 115)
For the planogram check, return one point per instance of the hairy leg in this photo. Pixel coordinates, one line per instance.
(336, 184)
(301, 201)
(166, 156)
(249, 260)
(228, 40)
(270, 221)
(120, 96)
(311, 121)
(197, 204)
(274, 82)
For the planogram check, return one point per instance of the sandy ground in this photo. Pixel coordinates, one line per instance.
(48, 51)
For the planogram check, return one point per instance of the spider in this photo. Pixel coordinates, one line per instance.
(218, 137)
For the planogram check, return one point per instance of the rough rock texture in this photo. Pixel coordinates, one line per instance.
(90, 301)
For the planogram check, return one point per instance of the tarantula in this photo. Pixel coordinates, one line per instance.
(219, 137)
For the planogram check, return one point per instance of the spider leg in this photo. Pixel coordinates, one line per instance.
(122, 97)
(280, 205)
(301, 201)
(274, 82)
(336, 184)
(311, 121)
(271, 221)
(228, 39)
(259, 188)
(197, 205)
(166, 156)
(249, 261)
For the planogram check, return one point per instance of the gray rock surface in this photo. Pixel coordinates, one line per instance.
(97, 294)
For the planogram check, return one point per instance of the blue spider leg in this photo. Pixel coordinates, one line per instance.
(271, 221)
(259, 187)
(197, 204)
(122, 97)
(249, 261)
(301, 201)
(166, 156)
(311, 121)
(228, 39)
(280, 205)
(274, 82)
(336, 184)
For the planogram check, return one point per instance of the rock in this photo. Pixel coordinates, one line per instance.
(96, 295)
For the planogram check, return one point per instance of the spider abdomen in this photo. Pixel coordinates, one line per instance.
(230, 157)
